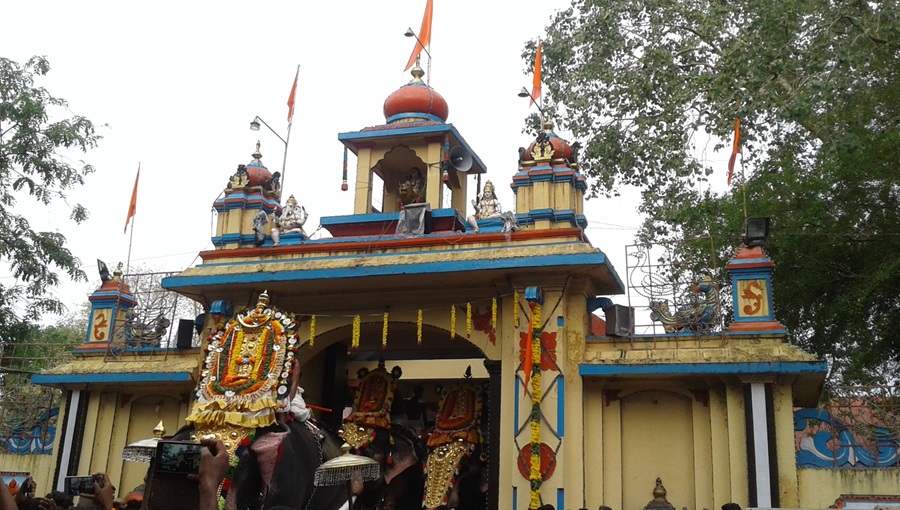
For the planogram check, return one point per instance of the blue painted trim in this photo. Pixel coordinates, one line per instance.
(349, 139)
(560, 498)
(561, 406)
(241, 200)
(565, 215)
(414, 115)
(761, 367)
(133, 350)
(560, 321)
(250, 239)
(515, 421)
(535, 262)
(524, 178)
(515, 496)
(108, 378)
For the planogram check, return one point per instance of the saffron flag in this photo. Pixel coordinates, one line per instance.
(536, 83)
(735, 148)
(132, 206)
(293, 96)
(424, 35)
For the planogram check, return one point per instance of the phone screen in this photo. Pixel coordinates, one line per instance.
(77, 485)
(178, 457)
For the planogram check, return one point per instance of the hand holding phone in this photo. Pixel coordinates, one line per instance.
(78, 485)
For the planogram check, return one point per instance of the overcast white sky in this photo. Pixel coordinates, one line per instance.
(178, 83)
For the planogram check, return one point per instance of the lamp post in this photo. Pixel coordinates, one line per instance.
(524, 93)
(254, 126)
(410, 33)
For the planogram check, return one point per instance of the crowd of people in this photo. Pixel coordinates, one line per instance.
(213, 468)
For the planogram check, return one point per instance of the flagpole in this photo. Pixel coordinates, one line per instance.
(131, 235)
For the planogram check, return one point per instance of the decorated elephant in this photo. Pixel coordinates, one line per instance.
(248, 397)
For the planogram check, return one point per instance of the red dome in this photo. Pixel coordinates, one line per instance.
(415, 101)
(257, 174)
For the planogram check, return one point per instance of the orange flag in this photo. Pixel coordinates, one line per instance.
(132, 207)
(292, 97)
(424, 35)
(735, 148)
(536, 83)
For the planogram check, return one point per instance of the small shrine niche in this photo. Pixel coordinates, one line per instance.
(413, 157)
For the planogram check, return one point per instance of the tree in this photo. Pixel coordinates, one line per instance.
(649, 87)
(37, 134)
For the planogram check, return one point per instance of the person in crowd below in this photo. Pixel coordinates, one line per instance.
(213, 468)
(63, 501)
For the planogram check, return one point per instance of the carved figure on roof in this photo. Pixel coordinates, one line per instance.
(259, 226)
(487, 206)
(698, 316)
(240, 178)
(412, 190)
(292, 219)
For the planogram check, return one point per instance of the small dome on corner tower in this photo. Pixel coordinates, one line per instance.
(561, 148)
(415, 102)
(257, 173)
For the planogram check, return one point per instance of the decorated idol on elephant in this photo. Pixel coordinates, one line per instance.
(370, 431)
(248, 397)
(456, 463)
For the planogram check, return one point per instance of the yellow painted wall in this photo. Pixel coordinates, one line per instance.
(115, 420)
(819, 488)
(657, 441)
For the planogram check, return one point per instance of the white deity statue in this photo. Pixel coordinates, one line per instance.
(292, 218)
(487, 206)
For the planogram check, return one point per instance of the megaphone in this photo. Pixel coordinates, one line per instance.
(461, 159)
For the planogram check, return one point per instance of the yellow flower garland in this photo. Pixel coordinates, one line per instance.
(312, 331)
(516, 310)
(419, 328)
(494, 313)
(452, 322)
(535, 474)
(354, 340)
(468, 320)
(384, 331)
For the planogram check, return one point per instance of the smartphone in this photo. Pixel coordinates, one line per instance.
(177, 457)
(78, 485)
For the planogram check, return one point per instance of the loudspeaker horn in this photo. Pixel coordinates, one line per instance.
(460, 159)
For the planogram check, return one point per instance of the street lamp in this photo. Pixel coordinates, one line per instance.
(254, 126)
(410, 33)
(524, 93)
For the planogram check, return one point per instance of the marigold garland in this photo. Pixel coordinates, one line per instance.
(494, 313)
(535, 474)
(516, 310)
(354, 340)
(452, 322)
(312, 331)
(468, 320)
(419, 328)
(384, 331)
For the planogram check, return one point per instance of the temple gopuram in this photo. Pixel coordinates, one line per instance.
(492, 335)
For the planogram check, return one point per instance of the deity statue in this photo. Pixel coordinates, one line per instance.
(412, 190)
(259, 226)
(487, 206)
(292, 218)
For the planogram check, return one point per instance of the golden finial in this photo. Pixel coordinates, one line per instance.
(256, 154)
(417, 71)
(159, 430)
(548, 126)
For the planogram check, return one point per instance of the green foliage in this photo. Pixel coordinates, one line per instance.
(37, 134)
(648, 85)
